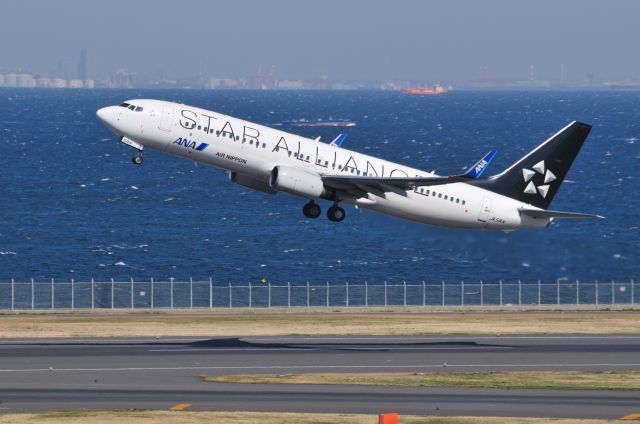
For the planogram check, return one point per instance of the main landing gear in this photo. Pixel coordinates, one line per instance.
(137, 159)
(312, 210)
(335, 213)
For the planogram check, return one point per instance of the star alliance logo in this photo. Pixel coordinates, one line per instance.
(528, 175)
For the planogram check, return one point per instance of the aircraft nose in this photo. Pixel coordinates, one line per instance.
(105, 115)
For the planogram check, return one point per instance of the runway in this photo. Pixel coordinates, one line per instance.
(158, 373)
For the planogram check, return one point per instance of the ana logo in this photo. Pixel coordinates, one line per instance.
(190, 144)
(528, 175)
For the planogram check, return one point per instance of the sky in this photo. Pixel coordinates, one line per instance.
(345, 40)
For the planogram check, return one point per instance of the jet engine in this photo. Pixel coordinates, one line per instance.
(251, 183)
(296, 181)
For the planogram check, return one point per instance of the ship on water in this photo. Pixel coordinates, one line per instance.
(321, 123)
(432, 91)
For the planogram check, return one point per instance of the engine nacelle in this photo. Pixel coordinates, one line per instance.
(251, 183)
(296, 181)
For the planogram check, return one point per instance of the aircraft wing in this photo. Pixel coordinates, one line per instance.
(386, 184)
(541, 213)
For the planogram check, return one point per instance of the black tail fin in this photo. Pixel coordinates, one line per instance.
(535, 178)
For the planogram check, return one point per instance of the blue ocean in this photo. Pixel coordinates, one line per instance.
(73, 206)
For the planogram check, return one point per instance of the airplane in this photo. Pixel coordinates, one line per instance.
(271, 161)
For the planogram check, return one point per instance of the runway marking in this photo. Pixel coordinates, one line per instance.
(180, 407)
(304, 367)
(355, 347)
(631, 417)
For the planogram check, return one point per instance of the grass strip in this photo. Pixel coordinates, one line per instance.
(562, 380)
(197, 417)
(270, 323)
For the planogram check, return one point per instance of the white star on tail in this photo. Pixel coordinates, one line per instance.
(528, 175)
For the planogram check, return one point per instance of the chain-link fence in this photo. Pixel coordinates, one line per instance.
(20, 295)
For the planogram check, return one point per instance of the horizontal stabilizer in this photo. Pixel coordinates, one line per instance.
(539, 213)
(476, 170)
(339, 140)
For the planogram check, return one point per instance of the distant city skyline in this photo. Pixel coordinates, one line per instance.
(439, 41)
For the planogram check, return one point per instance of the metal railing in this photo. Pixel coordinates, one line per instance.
(21, 295)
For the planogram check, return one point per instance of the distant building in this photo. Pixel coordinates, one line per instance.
(89, 83)
(43, 82)
(290, 85)
(82, 65)
(1, 80)
(75, 83)
(11, 80)
(26, 81)
(59, 83)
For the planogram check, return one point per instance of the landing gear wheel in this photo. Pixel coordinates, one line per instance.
(311, 210)
(137, 159)
(335, 213)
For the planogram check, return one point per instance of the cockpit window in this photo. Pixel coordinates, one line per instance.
(124, 104)
(131, 107)
(138, 108)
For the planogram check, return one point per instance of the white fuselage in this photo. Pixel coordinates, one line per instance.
(253, 150)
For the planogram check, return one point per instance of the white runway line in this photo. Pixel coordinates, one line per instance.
(305, 367)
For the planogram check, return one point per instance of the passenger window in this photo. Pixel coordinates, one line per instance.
(339, 166)
(206, 129)
(210, 130)
(250, 141)
(457, 200)
(427, 192)
(439, 195)
(264, 145)
(463, 202)
(199, 127)
(446, 197)
(326, 163)
(217, 132)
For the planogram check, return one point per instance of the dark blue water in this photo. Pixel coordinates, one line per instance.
(73, 206)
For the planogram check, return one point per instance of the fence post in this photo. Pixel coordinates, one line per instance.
(519, 293)
(558, 291)
(93, 302)
(269, 293)
(152, 290)
(307, 294)
(327, 294)
(12, 295)
(462, 292)
(53, 290)
(539, 293)
(191, 293)
(577, 292)
(366, 294)
(404, 301)
(500, 292)
(442, 292)
(385, 292)
(33, 295)
(230, 295)
(288, 294)
(112, 292)
(481, 293)
(250, 295)
(424, 294)
(597, 292)
(131, 292)
(73, 297)
(171, 286)
(347, 294)
(210, 293)
(613, 292)
(633, 292)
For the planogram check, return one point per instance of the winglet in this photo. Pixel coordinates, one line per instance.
(339, 140)
(478, 169)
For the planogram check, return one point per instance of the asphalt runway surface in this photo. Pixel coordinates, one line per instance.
(44, 375)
